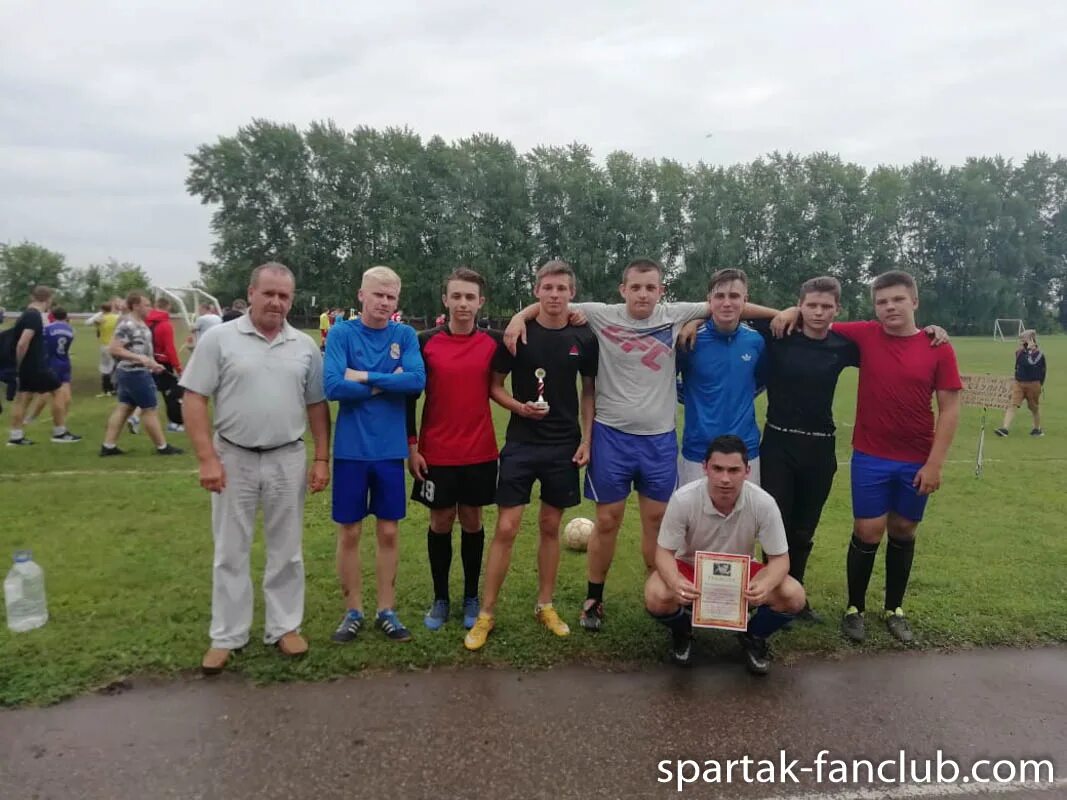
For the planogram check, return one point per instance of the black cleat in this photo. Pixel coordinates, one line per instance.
(852, 625)
(111, 451)
(808, 616)
(66, 438)
(169, 450)
(20, 442)
(898, 626)
(757, 653)
(681, 651)
(592, 618)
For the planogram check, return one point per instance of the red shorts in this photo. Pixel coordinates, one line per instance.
(686, 569)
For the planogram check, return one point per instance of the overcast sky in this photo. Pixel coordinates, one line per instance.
(100, 102)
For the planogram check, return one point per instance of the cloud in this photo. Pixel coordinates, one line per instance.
(100, 103)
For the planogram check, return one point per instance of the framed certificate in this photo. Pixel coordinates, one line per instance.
(721, 579)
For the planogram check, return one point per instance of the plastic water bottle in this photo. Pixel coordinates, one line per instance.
(24, 594)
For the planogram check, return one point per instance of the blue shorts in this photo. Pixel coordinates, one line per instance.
(620, 460)
(368, 487)
(136, 388)
(880, 485)
(61, 369)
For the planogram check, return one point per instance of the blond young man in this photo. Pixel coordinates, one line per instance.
(371, 366)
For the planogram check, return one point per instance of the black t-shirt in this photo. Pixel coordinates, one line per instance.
(564, 354)
(801, 376)
(35, 361)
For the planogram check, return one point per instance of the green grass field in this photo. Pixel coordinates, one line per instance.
(126, 548)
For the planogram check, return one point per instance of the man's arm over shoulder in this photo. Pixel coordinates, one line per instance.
(855, 331)
(682, 312)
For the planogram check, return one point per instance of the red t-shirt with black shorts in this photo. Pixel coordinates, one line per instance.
(456, 436)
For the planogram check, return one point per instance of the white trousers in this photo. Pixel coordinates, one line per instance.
(107, 361)
(689, 471)
(277, 481)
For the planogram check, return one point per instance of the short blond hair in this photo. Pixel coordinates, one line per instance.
(381, 275)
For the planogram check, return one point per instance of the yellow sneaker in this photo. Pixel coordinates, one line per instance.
(548, 617)
(476, 636)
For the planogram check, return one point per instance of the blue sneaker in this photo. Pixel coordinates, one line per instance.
(349, 628)
(471, 607)
(437, 615)
(391, 625)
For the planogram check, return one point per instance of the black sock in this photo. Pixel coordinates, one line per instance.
(439, 548)
(899, 553)
(860, 562)
(595, 591)
(678, 622)
(799, 549)
(471, 546)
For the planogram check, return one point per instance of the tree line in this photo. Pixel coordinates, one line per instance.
(985, 239)
(28, 264)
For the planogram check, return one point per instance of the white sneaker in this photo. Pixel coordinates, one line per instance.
(134, 424)
(174, 427)
(28, 420)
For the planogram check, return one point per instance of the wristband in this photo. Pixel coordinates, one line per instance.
(326, 460)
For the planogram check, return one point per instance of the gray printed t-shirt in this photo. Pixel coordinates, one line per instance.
(635, 389)
(692, 523)
(136, 337)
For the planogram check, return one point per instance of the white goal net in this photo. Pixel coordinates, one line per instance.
(1005, 329)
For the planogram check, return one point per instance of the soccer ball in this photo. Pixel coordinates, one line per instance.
(576, 534)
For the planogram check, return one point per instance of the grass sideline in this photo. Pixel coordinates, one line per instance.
(126, 549)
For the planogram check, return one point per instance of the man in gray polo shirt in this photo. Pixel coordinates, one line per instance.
(723, 513)
(264, 377)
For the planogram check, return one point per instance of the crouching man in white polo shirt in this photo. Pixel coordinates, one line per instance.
(723, 513)
(264, 377)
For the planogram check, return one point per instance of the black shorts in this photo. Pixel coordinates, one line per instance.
(468, 485)
(38, 382)
(521, 464)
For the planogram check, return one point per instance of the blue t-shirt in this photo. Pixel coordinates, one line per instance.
(58, 337)
(721, 376)
(372, 426)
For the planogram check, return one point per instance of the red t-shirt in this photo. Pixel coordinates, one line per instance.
(457, 423)
(898, 378)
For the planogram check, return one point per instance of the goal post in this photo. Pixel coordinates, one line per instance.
(1005, 329)
(187, 299)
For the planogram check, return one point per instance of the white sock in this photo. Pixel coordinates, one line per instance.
(108, 446)
(58, 430)
(161, 446)
(16, 434)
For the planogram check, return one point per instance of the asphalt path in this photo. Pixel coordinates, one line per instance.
(579, 732)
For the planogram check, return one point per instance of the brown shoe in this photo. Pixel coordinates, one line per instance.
(215, 660)
(292, 644)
